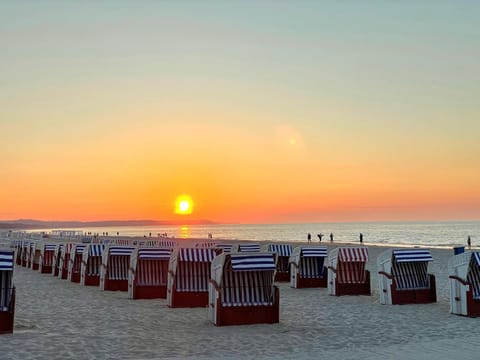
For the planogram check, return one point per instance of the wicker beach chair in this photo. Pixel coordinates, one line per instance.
(308, 268)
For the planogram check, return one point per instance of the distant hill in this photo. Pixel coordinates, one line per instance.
(30, 224)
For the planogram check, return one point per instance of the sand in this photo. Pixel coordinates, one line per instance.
(56, 319)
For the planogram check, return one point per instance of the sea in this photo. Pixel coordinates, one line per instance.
(425, 234)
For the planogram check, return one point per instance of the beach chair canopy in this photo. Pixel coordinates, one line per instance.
(50, 247)
(79, 249)
(121, 250)
(6, 260)
(281, 249)
(197, 254)
(226, 248)
(318, 251)
(248, 248)
(351, 254)
(415, 255)
(154, 254)
(252, 262)
(473, 276)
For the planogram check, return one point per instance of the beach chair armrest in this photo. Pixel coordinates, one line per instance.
(389, 276)
(333, 269)
(462, 281)
(215, 284)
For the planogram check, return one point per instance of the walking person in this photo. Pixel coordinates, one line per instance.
(361, 238)
(331, 237)
(309, 237)
(320, 237)
(469, 242)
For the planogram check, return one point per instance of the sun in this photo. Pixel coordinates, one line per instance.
(183, 205)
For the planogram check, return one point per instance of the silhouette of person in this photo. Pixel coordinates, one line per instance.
(469, 242)
(319, 237)
(309, 237)
(331, 237)
(361, 238)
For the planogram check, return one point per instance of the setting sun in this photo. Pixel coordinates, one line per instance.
(183, 205)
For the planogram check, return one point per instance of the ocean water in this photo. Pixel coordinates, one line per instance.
(431, 234)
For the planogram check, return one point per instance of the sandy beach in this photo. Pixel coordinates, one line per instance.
(56, 319)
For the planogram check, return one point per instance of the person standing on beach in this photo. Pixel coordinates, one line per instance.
(331, 237)
(319, 237)
(469, 242)
(361, 238)
(309, 237)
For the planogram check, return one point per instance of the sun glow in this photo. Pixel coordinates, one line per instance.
(183, 205)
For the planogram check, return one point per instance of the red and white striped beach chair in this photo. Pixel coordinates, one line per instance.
(7, 291)
(115, 266)
(464, 270)
(308, 268)
(346, 271)
(27, 245)
(64, 260)
(91, 264)
(283, 251)
(35, 251)
(404, 278)
(149, 273)
(46, 258)
(188, 276)
(242, 291)
(75, 263)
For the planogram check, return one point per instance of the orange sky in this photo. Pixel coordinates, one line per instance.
(281, 118)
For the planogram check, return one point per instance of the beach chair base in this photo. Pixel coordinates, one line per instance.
(75, 278)
(188, 299)
(24, 263)
(116, 285)
(246, 315)
(46, 270)
(55, 272)
(35, 267)
(149, 292)
(354, 289)
(7, 318)
(420, 296)
(64, 274)
(282, 276)
(311, 282)
(92, 280)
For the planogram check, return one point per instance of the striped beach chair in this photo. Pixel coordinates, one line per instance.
(18, 252)
(115, 267)
(223, 248)
(35, 250)
(75, 263)
(27, 245)
(149, 273)
(346, 271)
(57, 255)
(7, 291)
(404, 278)
(308, 268)
(464, 277)
(188, 276)
(46, 258)
(283, 251)
(64, 260)
(91, 264)
(246, 248)
(242, 291)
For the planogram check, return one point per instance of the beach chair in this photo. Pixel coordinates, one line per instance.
(34, 255)
(7, 291)
(245, 248)
(223, 248)
(115, 266)
(188, 276)
(149, 273)
(404, 278)
(91, 264)
(64, 260)
(464, 277)
(346, 271)
(47, 253)
(283, 251)
(242, 291)
(75, 263)
(18, 252)
(57, 255)
(308, 268)
(26, 253)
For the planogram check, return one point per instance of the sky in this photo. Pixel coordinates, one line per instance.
(259, 111)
